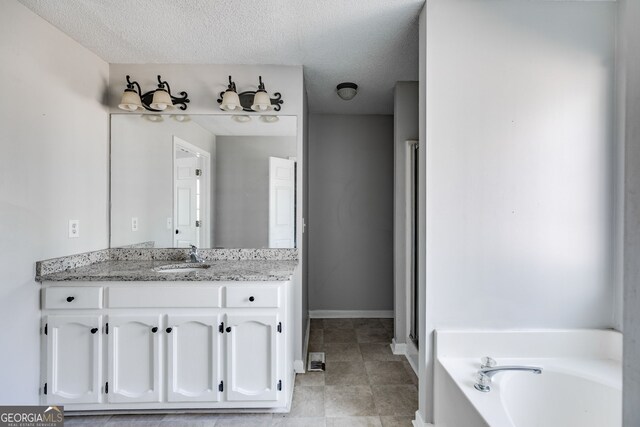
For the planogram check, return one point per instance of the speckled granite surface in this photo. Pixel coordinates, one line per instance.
(130, 264)
(227, 270)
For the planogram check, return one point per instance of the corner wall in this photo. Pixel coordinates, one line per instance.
(53, 168)
(520, 179)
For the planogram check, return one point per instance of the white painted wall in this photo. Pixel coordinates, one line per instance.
(350, 221)
(142, 176)
(630, 134)
(405, 127)
(242, 188)
(53, 167)
(519, 167)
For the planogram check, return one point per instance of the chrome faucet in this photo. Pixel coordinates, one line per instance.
(193, 255)
(488, 370)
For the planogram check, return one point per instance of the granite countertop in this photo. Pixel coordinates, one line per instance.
(147, 270)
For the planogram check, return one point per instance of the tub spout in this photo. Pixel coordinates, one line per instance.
(485, 375)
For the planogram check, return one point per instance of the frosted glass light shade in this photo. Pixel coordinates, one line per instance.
(161, 100)
(347, 90)
(261, 102)
(230, 101)
(130, 101)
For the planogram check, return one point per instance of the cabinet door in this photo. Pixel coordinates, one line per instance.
(193, 359)
(252, 357)
(134, 362)
(74, 359)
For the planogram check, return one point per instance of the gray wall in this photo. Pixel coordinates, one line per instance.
(142, 176)
(350, 222)
(405, 127)
(519, 162)
(53, 168)
(242, 188)
(630, 62)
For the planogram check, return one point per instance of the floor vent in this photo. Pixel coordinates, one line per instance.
(316, 361)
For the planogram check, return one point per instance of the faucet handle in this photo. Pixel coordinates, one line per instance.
(487, 362)
(483, 382)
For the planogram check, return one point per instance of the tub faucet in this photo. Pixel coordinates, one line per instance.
(485, 374)
(193, 255)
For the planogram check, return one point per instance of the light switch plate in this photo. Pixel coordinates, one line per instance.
(74, 228)
(134, 224)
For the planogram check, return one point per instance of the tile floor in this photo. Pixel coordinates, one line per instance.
(364, 385)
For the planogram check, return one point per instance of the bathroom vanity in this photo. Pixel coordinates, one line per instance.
(135, 335)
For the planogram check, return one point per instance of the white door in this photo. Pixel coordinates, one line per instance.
(186, 193)
(134, 363)
(252, 357)
(193, 359)
(74, 359)
(282, 202)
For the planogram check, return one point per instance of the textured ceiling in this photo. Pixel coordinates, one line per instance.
(373, 43)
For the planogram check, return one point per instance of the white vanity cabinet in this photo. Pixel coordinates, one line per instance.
(166, 345)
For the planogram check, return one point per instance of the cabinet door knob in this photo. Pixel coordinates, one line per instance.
(169, 330)
(228, 328)
(252, 299)
(94, 330)
(69, 299)
(154, 329)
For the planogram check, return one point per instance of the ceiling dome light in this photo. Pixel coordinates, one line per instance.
(261, 100)
(269, 119)
(230, 99)
(347, 91)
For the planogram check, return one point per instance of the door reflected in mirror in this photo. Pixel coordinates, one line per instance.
(212, 181)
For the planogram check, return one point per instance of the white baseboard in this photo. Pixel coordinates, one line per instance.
(419, 422)
(351, 314)
(399, 349)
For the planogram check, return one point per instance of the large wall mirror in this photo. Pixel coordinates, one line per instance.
(213, 181)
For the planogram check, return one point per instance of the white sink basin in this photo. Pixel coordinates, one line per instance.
(181, 268)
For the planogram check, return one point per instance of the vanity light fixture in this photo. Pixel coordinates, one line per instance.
(260, 101)
(269, 119)
(347, 90)
(159, 99)
(230, 101)
(241, 118)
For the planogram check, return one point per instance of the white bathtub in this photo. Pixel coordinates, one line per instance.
(581, 382)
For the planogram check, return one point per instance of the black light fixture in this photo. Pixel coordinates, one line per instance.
(347, 90)
(158, 99)
(260, 101)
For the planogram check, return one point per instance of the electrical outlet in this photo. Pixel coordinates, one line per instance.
(74, 228)
(134, 224)
(169, 223)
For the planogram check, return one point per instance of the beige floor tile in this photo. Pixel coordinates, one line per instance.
(395, 400)
(310, 378)
(346, 373)
(387, 373)
(397, 421)
(308, 401)
(354, 422)
(367, 324)
(96, 420)
(339, 335)
(316, 336)
(378, 351)
(342, 352)
(337, 323)
(410, 372)
(300, 422)
(387, 324)
(345, 401)
(244, 420)
(374, 335)
(316, 324)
